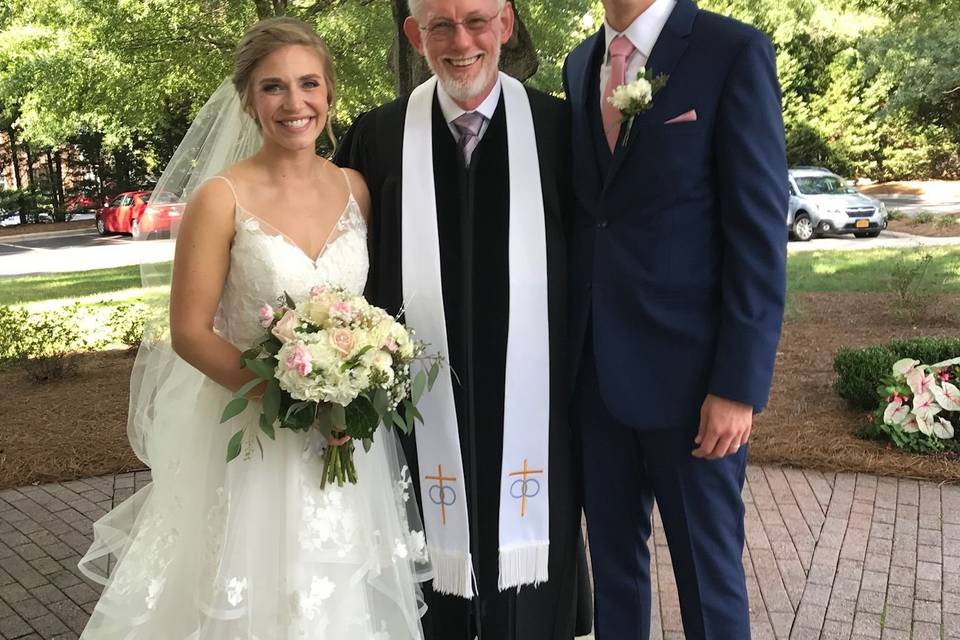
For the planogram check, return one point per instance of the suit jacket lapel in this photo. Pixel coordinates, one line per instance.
(583, 74)
(666, 53)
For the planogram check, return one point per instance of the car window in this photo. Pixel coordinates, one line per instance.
(127, 201)
(793, 191)
(819, 185)
(164, 197)
(117, 202)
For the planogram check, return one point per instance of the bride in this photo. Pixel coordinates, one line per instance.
(254, 548)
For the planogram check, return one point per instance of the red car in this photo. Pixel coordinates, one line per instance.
(80, 203)
(129, 213)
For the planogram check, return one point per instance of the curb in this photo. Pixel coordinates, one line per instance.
(40, 235)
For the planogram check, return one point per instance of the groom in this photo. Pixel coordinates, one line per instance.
(678, 258)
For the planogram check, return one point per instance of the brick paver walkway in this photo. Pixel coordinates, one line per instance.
(829, 556)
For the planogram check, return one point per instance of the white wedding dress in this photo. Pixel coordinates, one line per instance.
(254, 549)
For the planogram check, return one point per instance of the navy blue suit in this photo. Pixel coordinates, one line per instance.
(678, 277)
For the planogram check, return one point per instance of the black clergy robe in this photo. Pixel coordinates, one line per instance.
(473, 225)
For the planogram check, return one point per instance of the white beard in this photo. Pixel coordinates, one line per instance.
(464, 90)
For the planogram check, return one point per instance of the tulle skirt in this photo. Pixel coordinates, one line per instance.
(254, 549)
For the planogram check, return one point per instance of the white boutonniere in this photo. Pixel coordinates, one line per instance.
(636, 97)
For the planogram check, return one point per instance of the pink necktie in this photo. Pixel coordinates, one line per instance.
(620, 50)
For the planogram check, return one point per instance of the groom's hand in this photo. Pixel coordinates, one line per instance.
(724, 427)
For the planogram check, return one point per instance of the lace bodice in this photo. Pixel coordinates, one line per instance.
(264, 263)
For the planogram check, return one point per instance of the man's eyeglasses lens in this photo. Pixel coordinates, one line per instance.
(445, 29)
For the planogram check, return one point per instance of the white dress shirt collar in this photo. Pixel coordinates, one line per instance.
(644, 31)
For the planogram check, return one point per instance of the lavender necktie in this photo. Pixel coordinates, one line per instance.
(468, 125)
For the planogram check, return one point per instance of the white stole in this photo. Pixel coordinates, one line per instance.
(524, 526)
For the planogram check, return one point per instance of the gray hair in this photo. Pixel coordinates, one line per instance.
(414, 6)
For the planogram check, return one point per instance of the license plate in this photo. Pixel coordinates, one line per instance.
(863, 224)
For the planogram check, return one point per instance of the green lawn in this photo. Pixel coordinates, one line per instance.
(869, 271)
(813, 271)
(45, 291)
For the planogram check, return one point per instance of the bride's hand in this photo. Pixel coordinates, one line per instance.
(338, 442)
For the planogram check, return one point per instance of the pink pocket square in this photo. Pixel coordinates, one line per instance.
(689, 116)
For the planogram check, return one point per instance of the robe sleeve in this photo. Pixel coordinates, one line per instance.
(350, 152)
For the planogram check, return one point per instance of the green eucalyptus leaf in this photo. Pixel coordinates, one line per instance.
(271, 400)
(261, 367)
(267, 427)
(432, 376)
(247, 388)
(233, 447)
(234, 407)
(419, 386)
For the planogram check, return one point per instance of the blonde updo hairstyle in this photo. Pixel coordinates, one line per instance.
(267, 36)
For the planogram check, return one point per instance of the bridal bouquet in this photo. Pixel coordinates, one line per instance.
(335, 363)
(921, 407)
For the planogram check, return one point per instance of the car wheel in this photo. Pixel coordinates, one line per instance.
(802, 227)
(866, 234)
(101, 226)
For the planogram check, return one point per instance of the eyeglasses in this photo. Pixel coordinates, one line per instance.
(442, 30)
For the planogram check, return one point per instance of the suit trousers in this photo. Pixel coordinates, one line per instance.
(624, 471)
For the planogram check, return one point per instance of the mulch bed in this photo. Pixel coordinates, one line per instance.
(928, 229)
(77, 427)
(44, 228)
(71, 428)
(807, 424)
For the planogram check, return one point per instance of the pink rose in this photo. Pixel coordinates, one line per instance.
(343, 341)
(299, 360)
(284, 328)
(390, 345)
(266, 316)
(318, 290)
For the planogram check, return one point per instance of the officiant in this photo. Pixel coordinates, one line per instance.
(470, 188)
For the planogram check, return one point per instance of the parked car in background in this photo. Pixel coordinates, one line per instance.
(161, 215)
(80, 203)
(823, 203)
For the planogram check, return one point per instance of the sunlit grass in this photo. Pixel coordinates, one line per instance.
(868, 271)
(44, 292)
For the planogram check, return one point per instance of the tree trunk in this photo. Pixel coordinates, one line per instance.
(58, 160)
(264, 9)
(15, 158)
(31, 178)
(409, 67)
(56, 194)
(518, 57)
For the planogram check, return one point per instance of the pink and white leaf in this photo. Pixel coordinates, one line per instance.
(943, 429)
(896, 412)
(947, 396)
(919, 381)
(925, 424)
(946, 363)
(910, 424)
(902, 367)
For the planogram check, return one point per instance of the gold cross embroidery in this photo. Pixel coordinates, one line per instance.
(440, 479)
(524, 473)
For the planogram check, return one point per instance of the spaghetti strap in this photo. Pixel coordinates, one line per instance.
(347, 179)
(233, 190)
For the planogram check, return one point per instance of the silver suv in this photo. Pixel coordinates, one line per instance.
(822, 203)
